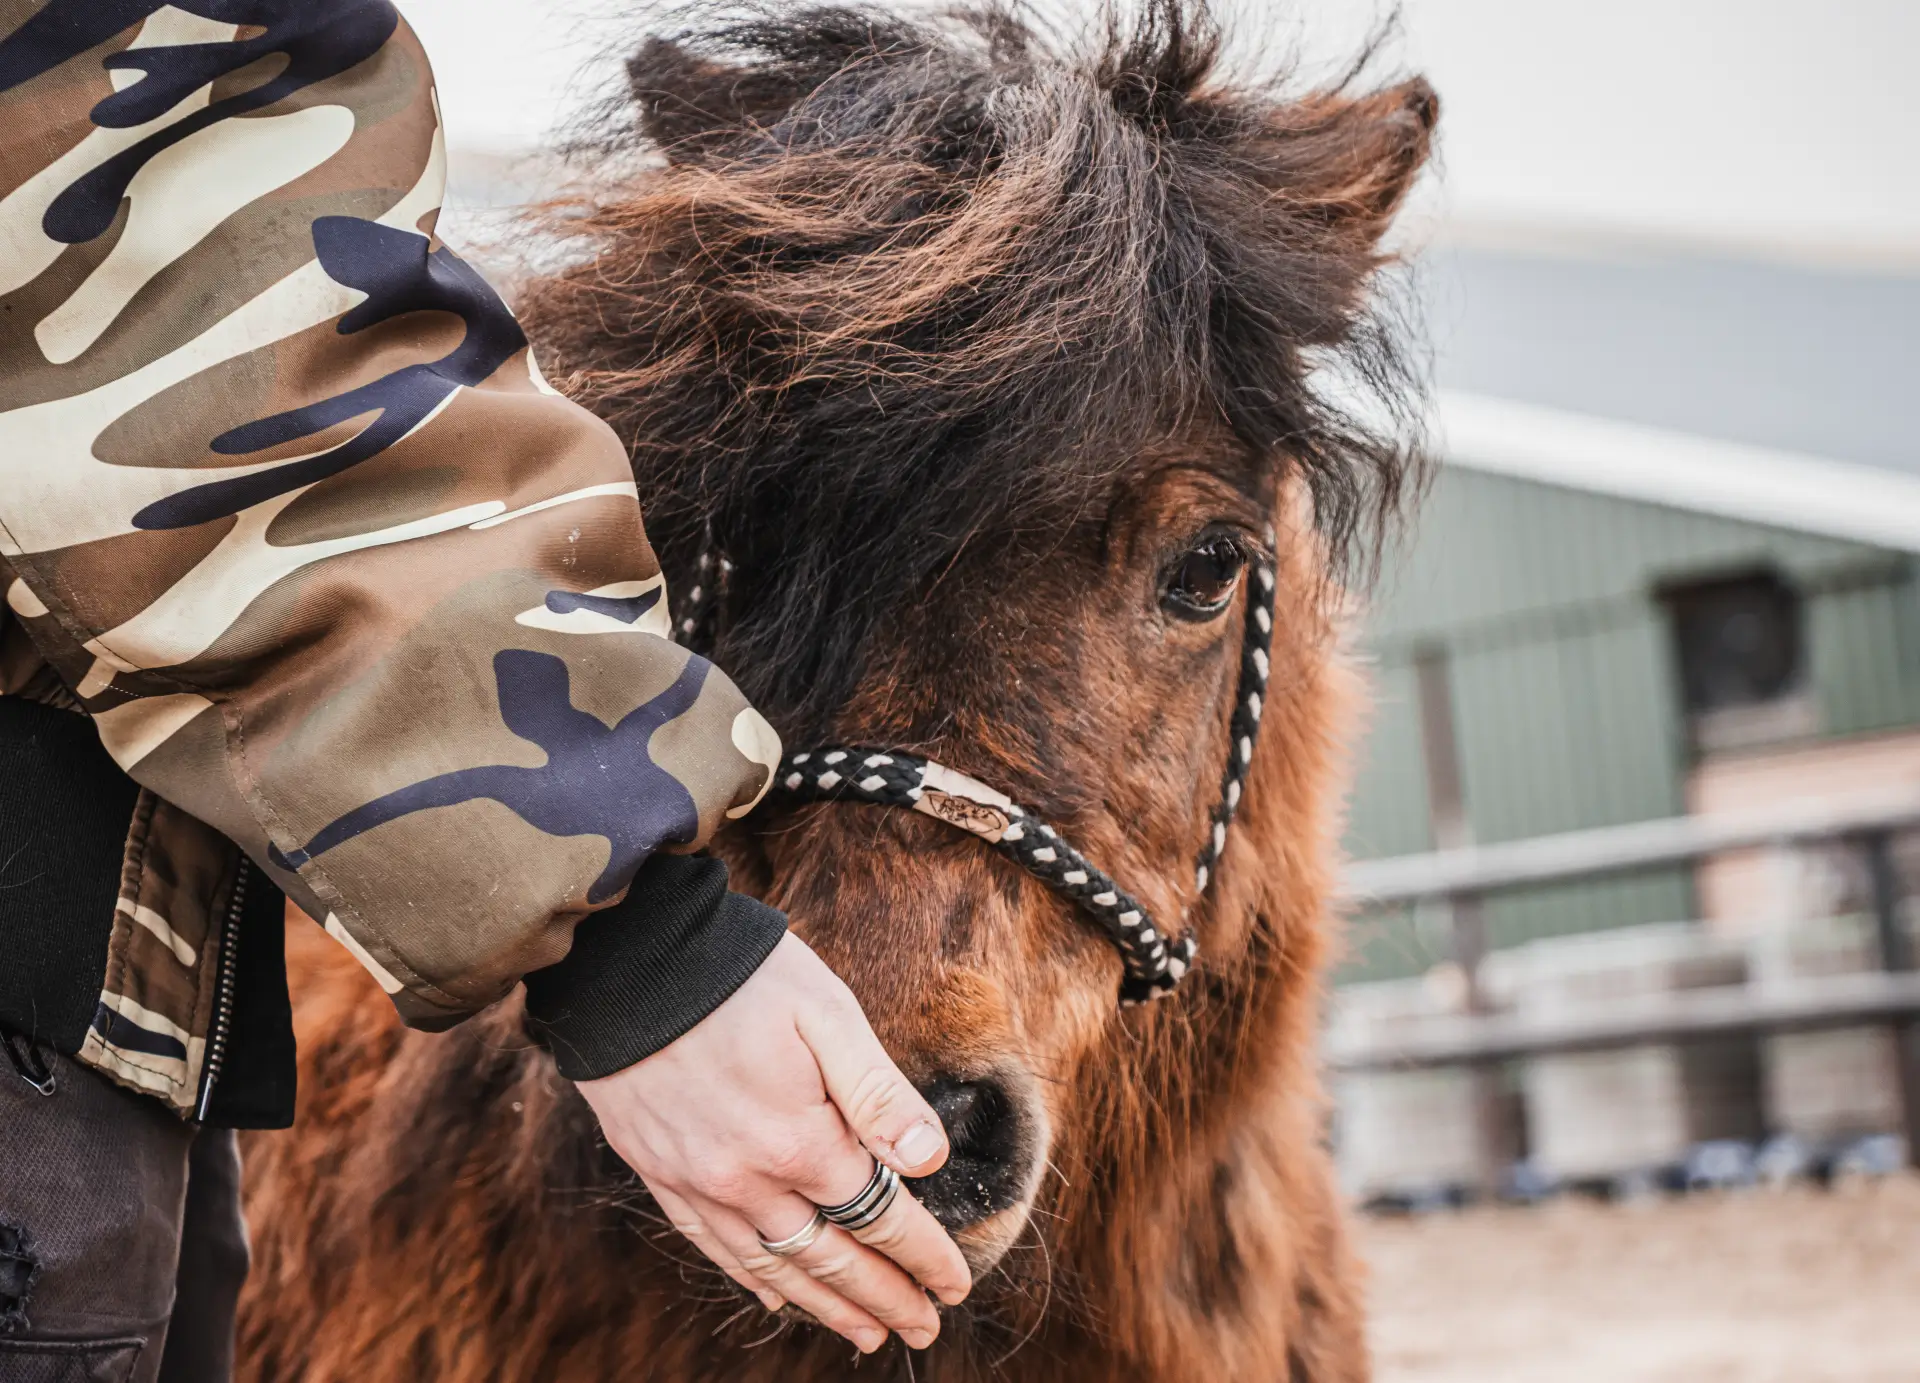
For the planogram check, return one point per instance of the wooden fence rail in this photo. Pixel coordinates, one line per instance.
(1480, 1039)
(1830, 1001)
(1484, 869)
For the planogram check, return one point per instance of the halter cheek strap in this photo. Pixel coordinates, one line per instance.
(1154, 962)
(1256, 664)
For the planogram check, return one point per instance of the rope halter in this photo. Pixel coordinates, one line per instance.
(1154, 961)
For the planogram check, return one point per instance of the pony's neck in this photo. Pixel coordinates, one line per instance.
(1186, 1255)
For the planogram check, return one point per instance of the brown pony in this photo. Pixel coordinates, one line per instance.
(987, 357)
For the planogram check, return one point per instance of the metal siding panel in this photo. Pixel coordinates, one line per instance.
(1564, 694)
(1388, 814)
(1562, 733)
(1488, 548)
(1863, 656)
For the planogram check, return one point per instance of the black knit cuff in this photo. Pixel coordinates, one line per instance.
(651, 966)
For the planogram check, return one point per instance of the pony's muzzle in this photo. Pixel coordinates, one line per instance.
(996, 1134)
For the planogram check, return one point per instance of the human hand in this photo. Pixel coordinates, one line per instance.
(745, 1124)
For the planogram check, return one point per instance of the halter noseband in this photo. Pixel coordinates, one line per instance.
(1154, 961)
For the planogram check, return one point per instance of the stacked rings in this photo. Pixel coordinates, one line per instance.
(870, 1204)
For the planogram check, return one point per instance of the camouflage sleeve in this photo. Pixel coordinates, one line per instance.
(295, 515)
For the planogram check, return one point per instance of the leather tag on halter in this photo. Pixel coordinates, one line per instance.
(964, 802)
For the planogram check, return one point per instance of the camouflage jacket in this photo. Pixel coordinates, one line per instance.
(288, 509)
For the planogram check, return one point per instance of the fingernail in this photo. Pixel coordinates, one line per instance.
(869, 1342)
(918, 1339)
(773, 1301)
(920, 1144)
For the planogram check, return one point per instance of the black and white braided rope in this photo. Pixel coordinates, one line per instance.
(1154, 962)
(1256, 665)
(891, 778)
(694, 625)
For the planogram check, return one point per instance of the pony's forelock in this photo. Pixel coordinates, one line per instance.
(887, 290)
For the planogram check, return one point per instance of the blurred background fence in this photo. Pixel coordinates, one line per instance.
(1666, 1053)
(1666, 576)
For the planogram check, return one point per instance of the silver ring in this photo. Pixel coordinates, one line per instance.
(800, 1240)
(870, 1204)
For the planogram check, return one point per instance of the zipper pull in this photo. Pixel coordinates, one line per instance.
(32, 1067)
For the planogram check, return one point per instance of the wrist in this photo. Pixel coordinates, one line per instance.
(645, 970)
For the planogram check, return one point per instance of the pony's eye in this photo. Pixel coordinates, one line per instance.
(1200, 584)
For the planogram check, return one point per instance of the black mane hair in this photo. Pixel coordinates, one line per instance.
(881, 290)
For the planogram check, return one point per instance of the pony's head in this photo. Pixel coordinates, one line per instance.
(987, 358)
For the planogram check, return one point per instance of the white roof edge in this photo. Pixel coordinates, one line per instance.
(1783, 489)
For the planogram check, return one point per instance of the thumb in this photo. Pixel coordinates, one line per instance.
(880, 1105)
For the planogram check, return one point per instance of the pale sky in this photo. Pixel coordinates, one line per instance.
(1790, 126)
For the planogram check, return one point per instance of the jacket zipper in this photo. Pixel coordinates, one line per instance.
(223, 990)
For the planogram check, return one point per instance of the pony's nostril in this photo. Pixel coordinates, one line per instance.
(991, 1154)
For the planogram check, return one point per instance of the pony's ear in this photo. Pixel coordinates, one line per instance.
(688, 102)
(1349, 161)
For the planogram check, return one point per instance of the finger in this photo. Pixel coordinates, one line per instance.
(783, 1275)
(905, 1233)
(868, 1279)
(885, 1112)
(872, 1281)
(826, 1164)
(682, 1217)
(853, 1272)
(909, 1235)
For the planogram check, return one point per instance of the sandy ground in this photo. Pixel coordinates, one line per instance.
(1800, 1286)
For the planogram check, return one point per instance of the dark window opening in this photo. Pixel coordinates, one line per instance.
(1738, 639)
(1739, 642)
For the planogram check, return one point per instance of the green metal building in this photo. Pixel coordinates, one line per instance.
(1677, 523)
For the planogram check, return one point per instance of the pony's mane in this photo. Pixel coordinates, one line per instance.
(880, 292)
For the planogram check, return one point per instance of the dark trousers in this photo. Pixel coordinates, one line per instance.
(122, 1248)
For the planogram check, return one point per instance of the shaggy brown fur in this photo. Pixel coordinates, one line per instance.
(962, 344)
(903, 290)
